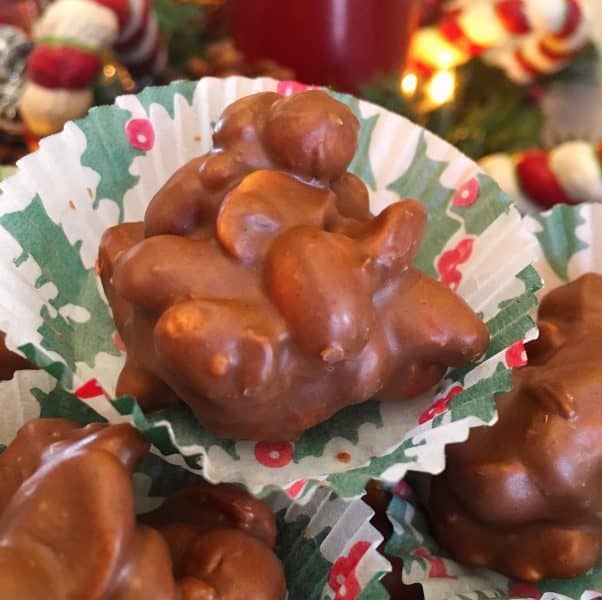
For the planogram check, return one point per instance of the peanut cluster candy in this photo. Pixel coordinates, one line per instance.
(525, 496)
(68, 527)
(262, 292)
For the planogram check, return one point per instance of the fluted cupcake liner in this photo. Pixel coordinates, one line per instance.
(105, 169)
(442, 578)
(327, 546)
(570, 245)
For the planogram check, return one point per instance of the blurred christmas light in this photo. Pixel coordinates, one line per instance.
(441, 88)
(409, 84)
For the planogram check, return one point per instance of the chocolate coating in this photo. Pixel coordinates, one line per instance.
(10, 362)
(262, 292)
(379, 499)
(525, 496)
(68, 528)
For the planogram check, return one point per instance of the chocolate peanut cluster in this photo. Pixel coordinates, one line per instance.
(262, 292)
(68, 527)
(525, 496)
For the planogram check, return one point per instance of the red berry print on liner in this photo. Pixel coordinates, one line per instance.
(516, 355)
(342, 579)
(119, 344)
(447, 264)
(294, 489)
(274, 454)
(440, 405)
(288, 88)
(90, 389)
(140, 134)
(437, 568)
(468, 193)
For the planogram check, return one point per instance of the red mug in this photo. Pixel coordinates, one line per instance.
(343, 43)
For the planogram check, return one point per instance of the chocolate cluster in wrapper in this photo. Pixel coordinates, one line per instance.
(262, 292)
(525, 496)
(68, 528)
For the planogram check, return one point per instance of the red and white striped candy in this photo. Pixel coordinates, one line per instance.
(71, 35)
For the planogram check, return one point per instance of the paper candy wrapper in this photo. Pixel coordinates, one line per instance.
(570, 245)
(327, 546)
(102, 170)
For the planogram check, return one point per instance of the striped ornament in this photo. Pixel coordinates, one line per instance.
(528, 38)
(71, 37)
(570, 173)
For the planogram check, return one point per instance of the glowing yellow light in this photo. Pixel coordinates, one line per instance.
(409, 83)
(431, 48)
(441, 87)
(109, 71)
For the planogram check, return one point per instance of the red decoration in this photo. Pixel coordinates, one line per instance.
(90, 389)
(342, 580)
(140, 134)
(538, 180)
(437, 568)
(328, 42)
(294, 489)
(468, 193)
(516, 355)
(62, 67)
(440, 405)
(448, 262)
(274, 454)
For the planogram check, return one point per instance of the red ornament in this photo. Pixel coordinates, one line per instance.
(512, 14)
(62, 67)
(140, 134)
(274, 454)
(538, 180)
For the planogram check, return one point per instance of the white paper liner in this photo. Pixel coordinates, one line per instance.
(86, 178)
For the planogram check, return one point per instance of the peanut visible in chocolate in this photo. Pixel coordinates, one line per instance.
(262, 292)
(524, 497)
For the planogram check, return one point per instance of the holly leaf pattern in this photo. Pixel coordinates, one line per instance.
(352, 483)
(61, 264)
(166, 96)
(166, 478)
(59, 403)
(186, 429)
(305, 568)
(109, 153)
(345, 424)
(558, 237)
(488, 207)
(435, 197)
(374, 590)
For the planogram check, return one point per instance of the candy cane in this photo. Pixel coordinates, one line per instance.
(70, 38)
(568, 174)
(555, 30)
